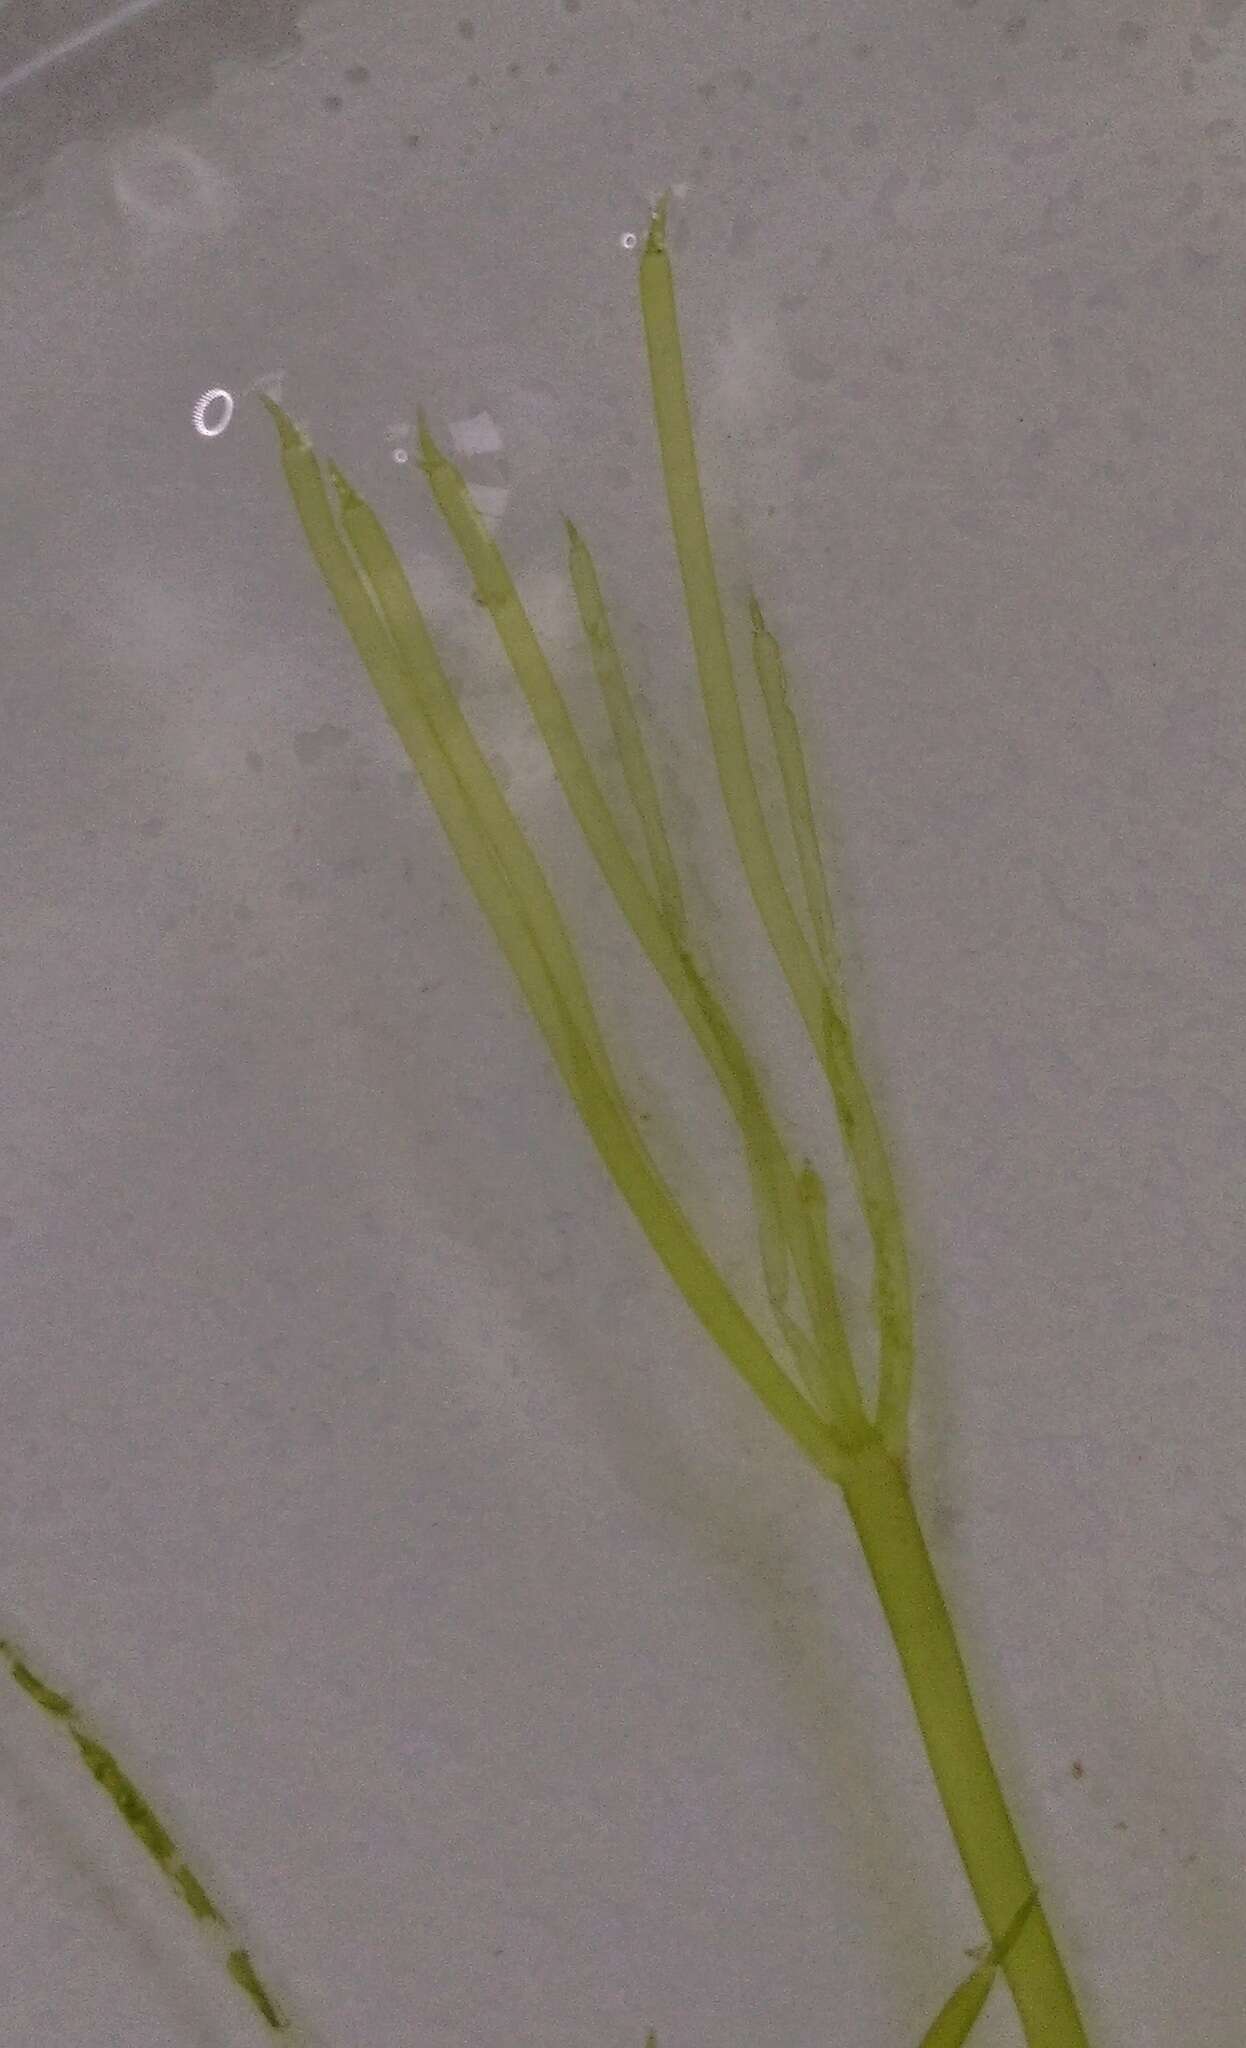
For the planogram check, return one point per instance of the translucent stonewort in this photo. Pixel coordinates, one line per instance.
(804, 1372)
(814, 1392)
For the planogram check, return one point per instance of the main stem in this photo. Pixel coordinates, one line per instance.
(878, 1499)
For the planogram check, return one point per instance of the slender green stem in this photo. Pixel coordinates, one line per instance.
(952, 2025)
(628, 738)
(878, 1500)
(709, 633)
(790, 755)
(148, 1829)
(891, 1295)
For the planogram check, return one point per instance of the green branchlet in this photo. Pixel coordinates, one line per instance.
(146, 1827)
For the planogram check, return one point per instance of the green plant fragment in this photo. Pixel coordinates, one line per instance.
(769, 1168)
(195, 1896)
(242, 1970)
(707, 626)
(633, 756)
(127, 1799)
(866, 1461)
(52, 1702)
(426, 678)
(952, 2025)
(391, 590)
(380, 567)
(891, 1298)
(612, 1131)
(142, 1821)
(383, 587)
(814, 998)
(790, 754)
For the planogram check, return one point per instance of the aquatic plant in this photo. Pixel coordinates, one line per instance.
(811, 1387)
(146, 1826)
(815, 1396)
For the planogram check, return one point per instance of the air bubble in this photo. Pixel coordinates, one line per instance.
(216, 396)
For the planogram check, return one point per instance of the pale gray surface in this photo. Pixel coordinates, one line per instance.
(363, 1477)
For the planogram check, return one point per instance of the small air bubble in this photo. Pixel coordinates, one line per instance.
(215, 397)
(628, 239)
(400, 455)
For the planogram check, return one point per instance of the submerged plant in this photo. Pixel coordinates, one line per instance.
(814, 1394)
(147, 1827)
(812, 1388)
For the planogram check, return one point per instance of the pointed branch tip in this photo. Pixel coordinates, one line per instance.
(655, 241)
(429, 451)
